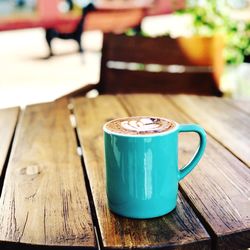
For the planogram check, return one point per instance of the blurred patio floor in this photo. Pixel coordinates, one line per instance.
(26, 77)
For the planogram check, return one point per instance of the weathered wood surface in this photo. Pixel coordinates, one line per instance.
(243, 105)
(8, 120)
(44, 200)
(178, 230)
(222, 120)
(219, 187)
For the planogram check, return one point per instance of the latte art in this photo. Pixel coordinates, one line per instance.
(139, 125)
(143, 124)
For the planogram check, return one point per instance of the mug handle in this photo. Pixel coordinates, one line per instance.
(199, 152)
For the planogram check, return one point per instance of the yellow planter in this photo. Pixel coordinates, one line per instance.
(205, 51)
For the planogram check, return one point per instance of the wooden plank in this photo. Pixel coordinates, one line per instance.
(243, 105)
(160, 50)
(178, 230)
(44, 200)
(8, 120)
(223, 121)
(201, 83)
(218, 188)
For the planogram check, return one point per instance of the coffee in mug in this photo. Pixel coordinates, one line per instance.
(141, 156)
(141, 125)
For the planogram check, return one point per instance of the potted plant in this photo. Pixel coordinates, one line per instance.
(237, 58)
(224, 40)
(206, 40)
(238, 43)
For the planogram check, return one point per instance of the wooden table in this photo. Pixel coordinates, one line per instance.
(53, 176)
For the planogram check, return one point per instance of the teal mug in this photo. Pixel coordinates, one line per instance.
(141, 157)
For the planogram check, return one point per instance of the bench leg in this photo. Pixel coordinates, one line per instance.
(49, 35)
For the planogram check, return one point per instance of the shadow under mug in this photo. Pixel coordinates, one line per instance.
(142, 172)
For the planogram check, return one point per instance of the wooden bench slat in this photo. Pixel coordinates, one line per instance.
(218, 187)
(178, 230)
(150, 50)
(44, 200)
(8, 120)
(163, 82)
(224, 122)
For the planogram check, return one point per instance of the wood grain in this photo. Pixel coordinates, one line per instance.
(222, 120)
(243, 105)
(218, 187)
(8, 120)
(44, 200)
(177, 230)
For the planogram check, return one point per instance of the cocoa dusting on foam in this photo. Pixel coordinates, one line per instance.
(140, 125)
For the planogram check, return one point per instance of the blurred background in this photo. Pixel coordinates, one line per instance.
(31, 71)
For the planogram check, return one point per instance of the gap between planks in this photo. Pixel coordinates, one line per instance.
(237, 142)
(79, 149)
(33, 118)
(8, 117)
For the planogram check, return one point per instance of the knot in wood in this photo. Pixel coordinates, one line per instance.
(30, 170)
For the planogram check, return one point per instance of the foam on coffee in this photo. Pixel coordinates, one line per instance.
(139, 125)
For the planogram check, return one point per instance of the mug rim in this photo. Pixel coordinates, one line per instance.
(176, 125)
